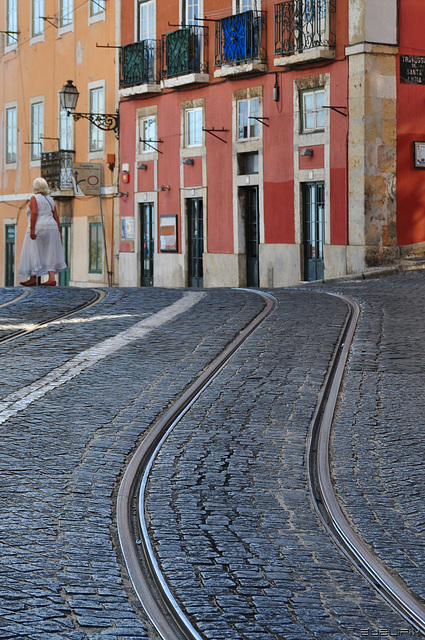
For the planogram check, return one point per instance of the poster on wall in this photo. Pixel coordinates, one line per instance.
(127, 228)
(419, 155)
(168, 233)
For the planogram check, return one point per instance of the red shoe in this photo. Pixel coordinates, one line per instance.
(29, 284)
(52, 283)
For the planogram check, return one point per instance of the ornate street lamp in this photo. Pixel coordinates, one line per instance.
(68, 96)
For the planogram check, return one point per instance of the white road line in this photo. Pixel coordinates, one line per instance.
(20, 400)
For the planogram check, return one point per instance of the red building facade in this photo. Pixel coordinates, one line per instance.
(265, 145)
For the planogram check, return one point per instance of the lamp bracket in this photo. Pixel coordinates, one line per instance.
(104, 121)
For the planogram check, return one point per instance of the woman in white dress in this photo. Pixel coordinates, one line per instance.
(42, 252)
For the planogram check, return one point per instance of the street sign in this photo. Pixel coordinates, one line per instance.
(86, 178)
(412, 69)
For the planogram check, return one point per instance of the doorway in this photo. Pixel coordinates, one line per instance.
(314, 230)
(195, 242)
(10, 244)
(65, 275)
(252, 235)
(147, 243)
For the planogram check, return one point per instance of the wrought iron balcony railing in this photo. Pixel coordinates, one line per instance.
(240, 38)
(138, 63)
(301, 25)
(56, 169)
(185, 51)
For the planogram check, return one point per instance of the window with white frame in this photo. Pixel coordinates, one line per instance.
(66, 13)
(66, 131)
(37, 23)
(245, 5)
(11, 22)
(37, 128)
(193, 127)
(247, 118)
(312, 111)
(147, 128)
(11, 134)
(146, 20)
(97, 105)
(96, 7)
(191, 10)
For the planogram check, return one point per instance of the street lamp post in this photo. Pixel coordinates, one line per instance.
(68, 100)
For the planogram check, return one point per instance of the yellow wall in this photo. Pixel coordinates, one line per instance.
(37, 68)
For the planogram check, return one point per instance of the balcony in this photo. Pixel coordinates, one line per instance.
(304, 30)
(138, 68)
(56, 169)
(185, 56)
(240, 44)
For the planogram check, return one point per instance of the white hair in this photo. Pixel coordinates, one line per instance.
(40, 186)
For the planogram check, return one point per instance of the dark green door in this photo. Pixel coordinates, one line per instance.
(195, 219)
(314, 230)
(65, 275)
(10, 236)
(147, 237)
(252, 233)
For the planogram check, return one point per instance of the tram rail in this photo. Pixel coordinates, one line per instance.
(98, 296)
(150, 585)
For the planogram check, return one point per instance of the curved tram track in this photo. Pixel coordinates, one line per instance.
(148, 581)
(15, 333)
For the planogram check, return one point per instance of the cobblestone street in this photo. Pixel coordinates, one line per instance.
(229, 507)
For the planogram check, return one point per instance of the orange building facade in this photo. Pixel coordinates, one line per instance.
(44, 44)
(260, 142)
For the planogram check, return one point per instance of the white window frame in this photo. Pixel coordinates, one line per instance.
(37, 11)
(37, 130)
(11, 24)
(98, 106)
(193, 118)
(251, 125)
(147, 125)
(316, 114)
(146, 27)
(240, 6)
(97, 10)
(11, 135)
(66, 16)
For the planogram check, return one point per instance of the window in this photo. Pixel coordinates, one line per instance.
(248, 112)
(96, 7)
(146, 22)
(11, 22)
(147, 133)
(95, 247)
(36, 17)
(97, 105)
(37, 128)
(244, 5)
(66, 13)
(313, 114)
(190, 12)
(248, 163)
(11, 135)
(193, 127)
(66, 131)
